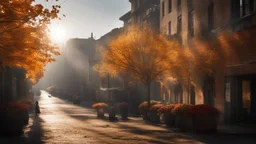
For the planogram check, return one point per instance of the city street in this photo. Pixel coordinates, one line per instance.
(63, 122)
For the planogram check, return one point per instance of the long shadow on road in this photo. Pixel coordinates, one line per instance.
(33, 134)
(36, 133)
(163, 135)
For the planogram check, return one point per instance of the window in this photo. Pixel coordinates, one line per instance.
(179, 26)
(191, 23)
(170, 6)
(163, 9)
(169, 28)
(210, 16)
(190, 5)
(179, 3)
(190, 18)
(244, 7)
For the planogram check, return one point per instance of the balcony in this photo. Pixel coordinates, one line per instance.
(146, 5)
(152, 11)
(244, 22)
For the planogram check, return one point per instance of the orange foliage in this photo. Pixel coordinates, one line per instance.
(142, 54)
(24, 36)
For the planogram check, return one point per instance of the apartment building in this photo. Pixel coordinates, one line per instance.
(78, 73)
(231, 89)
(142, 13)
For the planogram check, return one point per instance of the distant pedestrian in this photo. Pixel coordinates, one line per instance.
(37, 109)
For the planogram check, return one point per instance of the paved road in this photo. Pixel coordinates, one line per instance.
(62, 122)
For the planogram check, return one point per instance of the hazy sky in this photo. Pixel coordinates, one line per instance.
(86, 16)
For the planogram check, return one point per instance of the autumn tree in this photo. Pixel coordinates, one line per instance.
(143, 54)
(24, 36)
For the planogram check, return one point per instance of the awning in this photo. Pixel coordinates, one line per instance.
(112, 89)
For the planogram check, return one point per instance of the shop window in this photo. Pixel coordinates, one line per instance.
(246, 95)
(244, 7)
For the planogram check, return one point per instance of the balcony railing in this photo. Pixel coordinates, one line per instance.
(244, 22)
(239, 24)
(155, 9)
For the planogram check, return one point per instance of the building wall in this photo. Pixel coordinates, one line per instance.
(239, 69)
(139, 9)
(77, 55)
(200, 21)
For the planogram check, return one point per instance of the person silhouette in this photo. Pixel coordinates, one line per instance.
(37, 109)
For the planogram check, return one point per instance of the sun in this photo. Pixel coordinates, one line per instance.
(58, 34)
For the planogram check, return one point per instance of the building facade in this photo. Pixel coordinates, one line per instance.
(230, 89)
(143, 13)
(78, 72)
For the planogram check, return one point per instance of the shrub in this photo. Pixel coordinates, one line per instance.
(155, 108)
(202, 110)
(166, 112)
(17, 106)
(100, 106)
(166, 109)
(205, 118)
(123, 105)
(181, 120)
(123, 108)
(180, 109)
(143, 108)
(112, 113)
(153, 112)
(13, 117)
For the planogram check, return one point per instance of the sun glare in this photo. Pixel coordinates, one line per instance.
(58, 34)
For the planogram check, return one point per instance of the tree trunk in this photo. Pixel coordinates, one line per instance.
(148, 95)
(189, 99)
(108, 90)
(2, 89)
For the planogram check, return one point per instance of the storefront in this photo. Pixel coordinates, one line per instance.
(240, 95)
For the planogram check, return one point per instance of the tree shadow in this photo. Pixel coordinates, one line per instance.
(36, 133)
(33, 133)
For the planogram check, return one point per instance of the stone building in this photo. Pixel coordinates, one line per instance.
(78, 72)
(231, 88)
(143, 13)
(105, 88)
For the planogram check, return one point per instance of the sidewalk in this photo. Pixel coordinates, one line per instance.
(234, 129)
(222, 129)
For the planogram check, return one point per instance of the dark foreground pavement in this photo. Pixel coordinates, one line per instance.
(62, 122)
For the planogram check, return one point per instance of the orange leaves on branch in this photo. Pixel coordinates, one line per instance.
(142, 54)
(24, 37)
